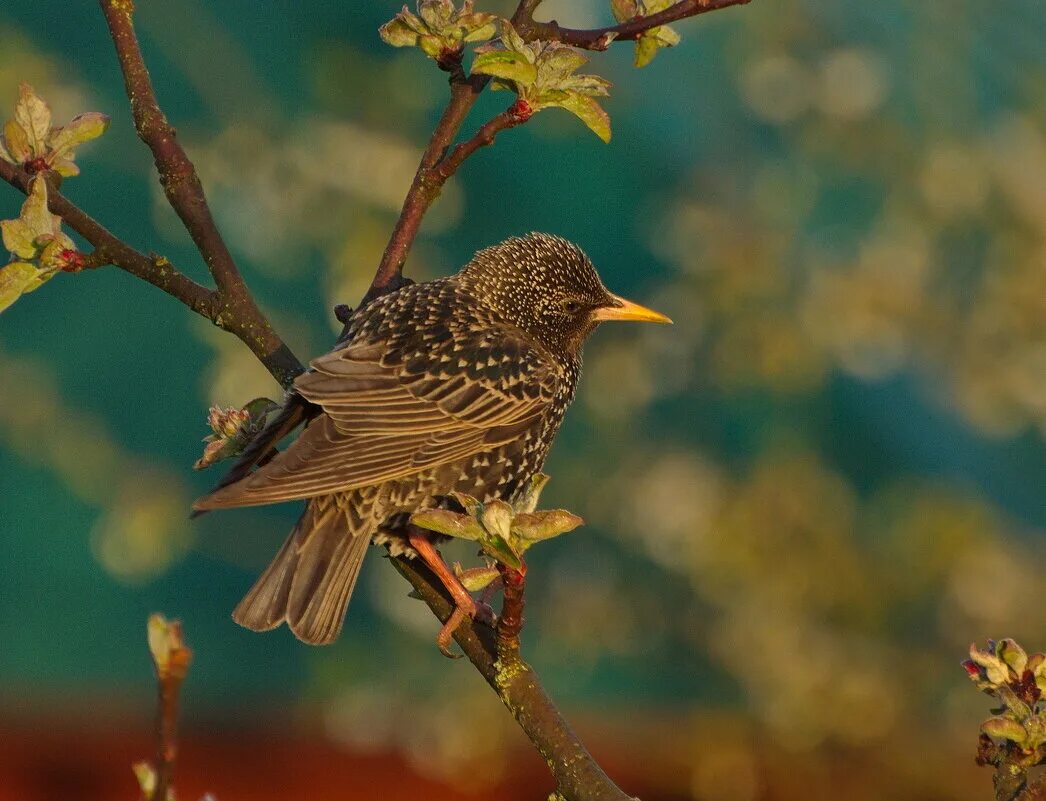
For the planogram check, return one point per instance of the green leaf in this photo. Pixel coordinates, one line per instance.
(81, 129)
(479, 26)
(591, 85)
(35, 212)
(476, 578)
(624, 10)
(19, 238)
(65, 167)
(35, 221)
(450, 523)
(653, 40)
(496, 518)
(436, 13)
(398, 33)
(544, 525)
(16, 279)
(667, 36)
(499, 548)
(646, 49)
(17, 142)
(34, 116)
(471, 505)
(589, 112)
(1010, 652)
(1003, 728)
(996, 670)
(432, 46)
(513, 41)
(559, 62)
(507, 65)
(528, 502)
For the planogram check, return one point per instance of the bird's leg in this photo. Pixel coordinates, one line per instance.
(464, 604)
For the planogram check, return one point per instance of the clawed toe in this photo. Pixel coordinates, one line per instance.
(446, 634)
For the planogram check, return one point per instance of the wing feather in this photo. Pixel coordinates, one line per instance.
(391, 411)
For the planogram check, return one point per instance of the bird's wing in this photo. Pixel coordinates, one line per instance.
(393, 412)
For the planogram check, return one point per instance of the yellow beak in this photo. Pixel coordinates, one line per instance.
(627, 310)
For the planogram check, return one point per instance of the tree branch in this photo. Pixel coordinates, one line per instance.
(510, 622)
(464, 91)
(578, 776)
(436, 167)
(171, 660)
(600, 38)
(237, 312)
(111, 250)
(495, 654)
(514, 115)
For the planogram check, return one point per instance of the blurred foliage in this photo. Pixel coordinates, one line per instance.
(804, 500)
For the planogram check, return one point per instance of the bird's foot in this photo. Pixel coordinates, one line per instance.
(446, 634)
(465, 606)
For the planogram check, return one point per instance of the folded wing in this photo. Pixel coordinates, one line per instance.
(391, 413)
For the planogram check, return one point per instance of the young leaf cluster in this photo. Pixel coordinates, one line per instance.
(503, 531)
(1005, 671)
(652, 40)
(542, 74)
(31, 142)
(438, 28)
(39, 248)
(233, 429)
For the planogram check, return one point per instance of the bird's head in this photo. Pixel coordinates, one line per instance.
(549, 288)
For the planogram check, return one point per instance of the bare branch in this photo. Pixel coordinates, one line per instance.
(600, 38)
(111, 250)
(436, 167)
(515, 115)
(237, 310)
(578, 776)
(464, 92)
(171, 660)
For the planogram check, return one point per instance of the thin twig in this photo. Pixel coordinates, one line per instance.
(436, 167)
(578, 776)
(171, 660)
(184, 192)
(601, 38)
(464, 91)
(109, 249)
(516, 114)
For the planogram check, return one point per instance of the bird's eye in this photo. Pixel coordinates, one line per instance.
(571, 306)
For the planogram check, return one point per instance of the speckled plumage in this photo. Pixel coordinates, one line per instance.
(455, 384)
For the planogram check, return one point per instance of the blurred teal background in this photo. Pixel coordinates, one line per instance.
(804, 500)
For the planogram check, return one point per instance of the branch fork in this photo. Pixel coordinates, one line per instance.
(493, 650)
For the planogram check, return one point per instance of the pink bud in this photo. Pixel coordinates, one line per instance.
(521, 110)
(971, 668)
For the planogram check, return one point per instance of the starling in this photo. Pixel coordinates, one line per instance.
(459, 383)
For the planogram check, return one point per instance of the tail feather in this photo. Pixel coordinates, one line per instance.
(316, 616)
(311, 579)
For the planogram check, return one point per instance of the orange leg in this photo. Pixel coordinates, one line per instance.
(464, 604)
